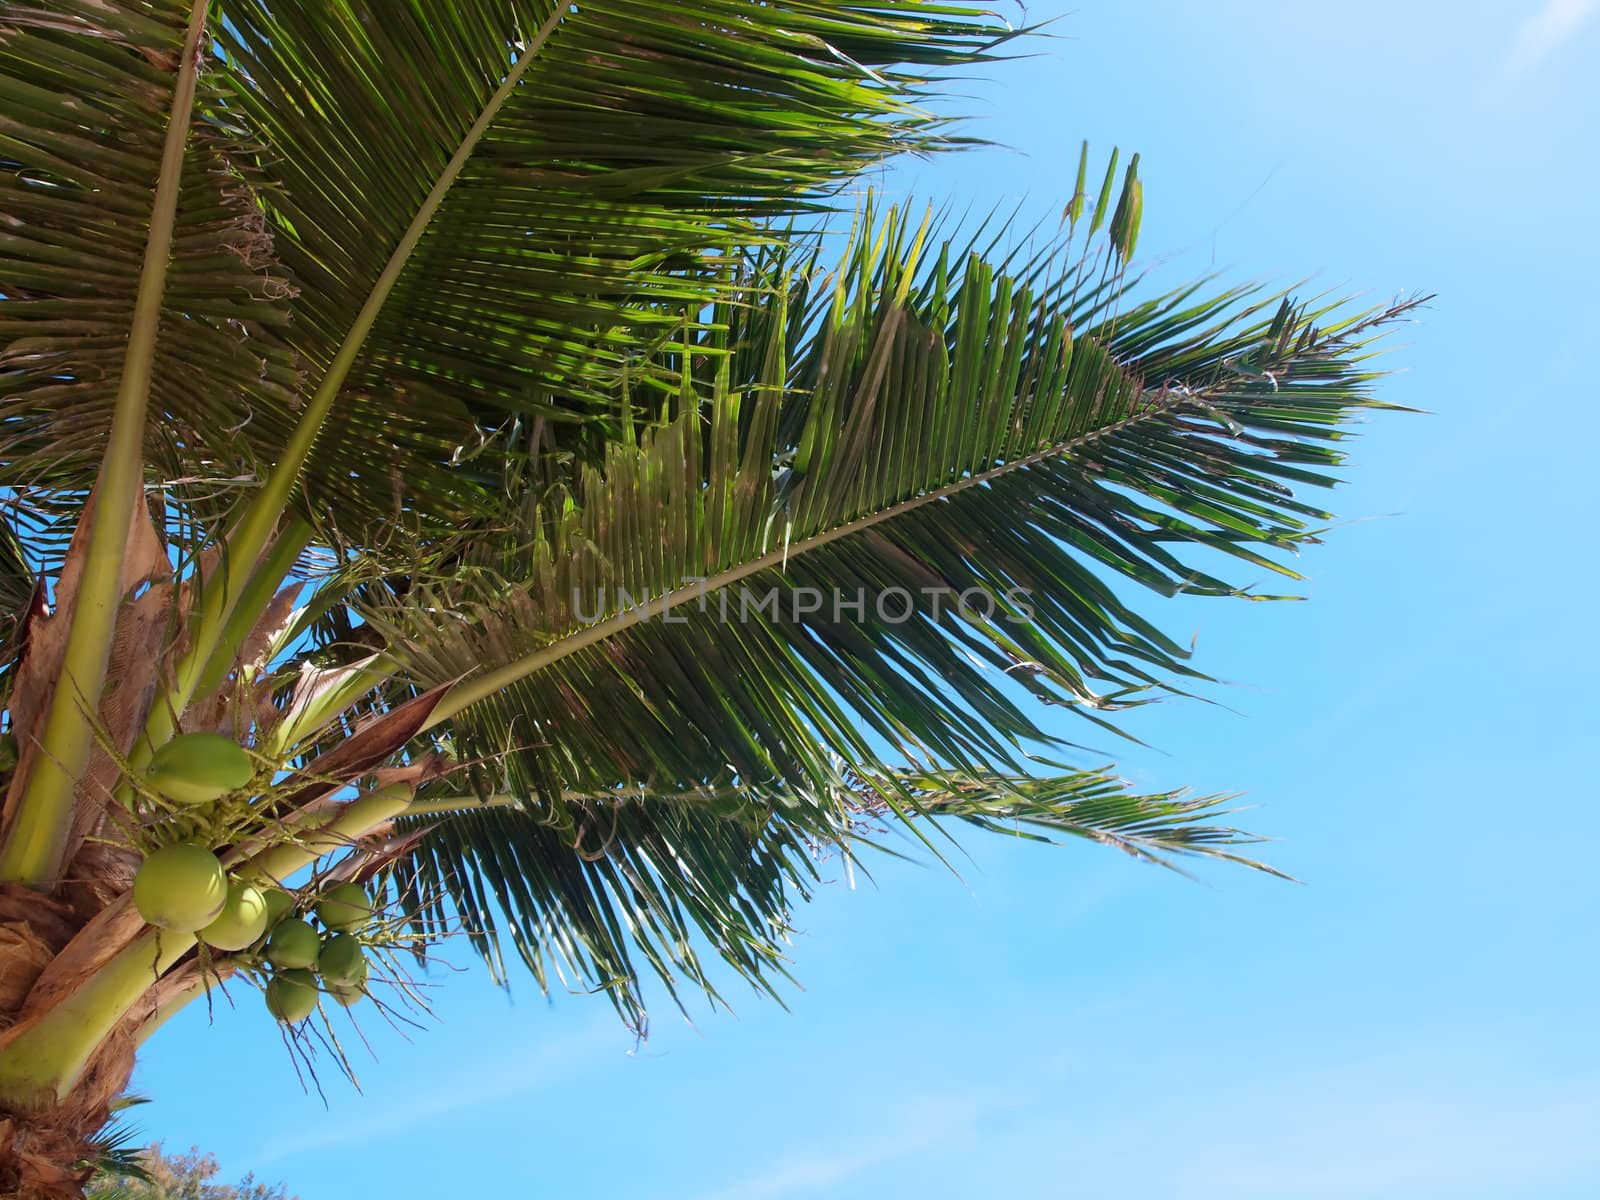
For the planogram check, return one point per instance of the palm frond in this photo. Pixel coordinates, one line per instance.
(87, 89)
(578, 889)
(119, 1154)
(1094, 806)
(18, 594)
(637, 147)
(1001, 448)
(575, 890)
(941, 434)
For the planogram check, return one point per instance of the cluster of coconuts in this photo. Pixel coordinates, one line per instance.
(299, 955)
(184, 888)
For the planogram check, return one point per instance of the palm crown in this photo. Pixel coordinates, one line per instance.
(474, 412)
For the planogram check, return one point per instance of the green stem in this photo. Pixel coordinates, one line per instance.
(171, 1007)
(37, 839)
(449, 805)
(360, 816)
(264, 511)
(253, 601)
(42, 1065)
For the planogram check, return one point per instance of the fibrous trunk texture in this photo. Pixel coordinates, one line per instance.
(44, 1143)
(45, 1154)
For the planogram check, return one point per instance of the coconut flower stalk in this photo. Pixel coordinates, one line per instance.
(476, 468)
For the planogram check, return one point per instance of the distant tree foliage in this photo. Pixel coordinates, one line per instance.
(191, 1176)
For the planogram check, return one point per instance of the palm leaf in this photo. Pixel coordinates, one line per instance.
(635, 148)
(1026, 437)
(87, 87)
(575, 889)
(989, 434)
(118, 1154)
(18, 594)
(581, 171)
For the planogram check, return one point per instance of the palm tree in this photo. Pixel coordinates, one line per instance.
(473, 414)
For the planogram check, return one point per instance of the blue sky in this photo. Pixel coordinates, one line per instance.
(1416, 1019)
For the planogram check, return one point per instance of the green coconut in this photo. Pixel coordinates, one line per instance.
(292, 996)
(346, 993)
(342, 960)
(180, 887)
(293, 945)
(345, 909)
(348, 988)
(279, 904)
(243, 919)
(196, 768)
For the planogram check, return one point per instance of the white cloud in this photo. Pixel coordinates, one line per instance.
(924, 1125)
(1423, 1121)
(525, 1070)
(1544, 33)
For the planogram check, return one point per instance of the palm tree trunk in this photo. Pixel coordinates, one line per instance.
(67, 1047)
(46, 1153)
(45, 1139)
